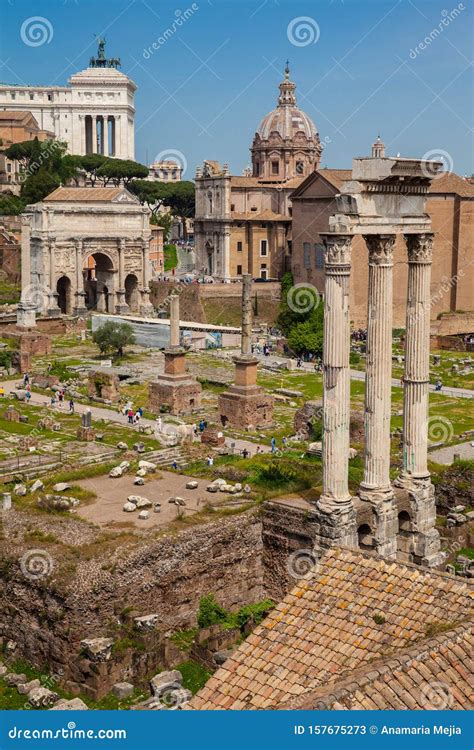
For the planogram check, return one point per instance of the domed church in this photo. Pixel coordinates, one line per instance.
(243, 223)
(286, 143)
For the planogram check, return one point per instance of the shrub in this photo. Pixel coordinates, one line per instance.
(210, 612)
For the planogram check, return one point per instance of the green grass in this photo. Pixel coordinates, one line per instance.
(194, 675)
(171, 257)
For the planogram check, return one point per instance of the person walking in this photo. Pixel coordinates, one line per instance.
(273, 444)
(130, 416)
(71, 406)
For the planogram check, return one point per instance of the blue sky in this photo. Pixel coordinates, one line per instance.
(358, 67)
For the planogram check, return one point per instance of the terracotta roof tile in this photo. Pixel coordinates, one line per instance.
(342, 639)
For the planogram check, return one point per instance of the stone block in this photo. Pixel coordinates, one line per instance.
(75, 704)
(26, 687)
(97, 649)
(41, 697)
(122, 690)
(146, 622)
(165, 680)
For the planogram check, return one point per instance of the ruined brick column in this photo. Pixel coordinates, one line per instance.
(415, 477)
(335, 501)
(245, 404)
(175, 390)
(376, 487)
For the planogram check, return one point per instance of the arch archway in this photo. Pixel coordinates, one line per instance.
(63, 289)
(132, 293)
(98, 272)
(365, 537)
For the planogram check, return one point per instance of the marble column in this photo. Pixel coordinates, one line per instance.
(80, 307)
(376, 487)
(121, 304)
(336, 373)
(94, 133)
(146, 306)
(415, 477)
(417, 357)
(246, 340)
(105, 135)
(53, 309)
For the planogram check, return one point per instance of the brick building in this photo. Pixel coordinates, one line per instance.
(450, 205)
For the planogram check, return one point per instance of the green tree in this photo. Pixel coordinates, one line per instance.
(120, 170)
(90, 163)
(152, 194)
(11, 205)
(301, 317)
(181, 200)
(37, 186)
(113, 337)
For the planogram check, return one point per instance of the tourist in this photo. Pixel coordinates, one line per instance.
(130, 416)
(273, 444)
(202, 425)
(71, 406)
(60, 398)
(245, 453)
(438, 385)
(27, 396)
(210, 461)
(26, 379)
(53, 400)
(174, 465)
(140, 411)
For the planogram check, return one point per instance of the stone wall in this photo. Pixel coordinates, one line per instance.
(89, 597)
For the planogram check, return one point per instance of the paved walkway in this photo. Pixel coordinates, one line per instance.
(98, 412)
(359, 375)
(446, 455)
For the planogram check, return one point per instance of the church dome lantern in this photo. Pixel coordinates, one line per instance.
(286, 143)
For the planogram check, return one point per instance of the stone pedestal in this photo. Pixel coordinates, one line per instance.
(376, 487)
(25, 315)
(85, 434)
(176, 391)
(80, 308)
(246, 404)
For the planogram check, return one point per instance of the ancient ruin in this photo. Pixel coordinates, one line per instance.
(85, 249)
(175, 391)
(246, 404)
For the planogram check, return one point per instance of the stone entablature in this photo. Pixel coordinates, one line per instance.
(86, 248)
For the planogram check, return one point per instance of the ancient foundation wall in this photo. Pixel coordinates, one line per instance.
(90, 598)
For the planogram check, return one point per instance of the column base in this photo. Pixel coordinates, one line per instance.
(385, 519)
(337, 523)
(425, 542)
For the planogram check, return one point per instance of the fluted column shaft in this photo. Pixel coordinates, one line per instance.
(417, 357)
(336, 373)
(378, 382)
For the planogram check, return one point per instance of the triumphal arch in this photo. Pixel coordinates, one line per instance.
(86, 249)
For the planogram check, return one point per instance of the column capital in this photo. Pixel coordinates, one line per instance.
(78, 243)
(337, 249)
(420, 247)
(380, 247)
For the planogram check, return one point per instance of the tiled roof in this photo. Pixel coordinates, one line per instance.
(16, 116)
(436, 674)
(449, 182)
(325, 628)
(93, 195)
(336, 176)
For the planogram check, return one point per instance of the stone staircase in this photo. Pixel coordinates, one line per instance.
(164, 457)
